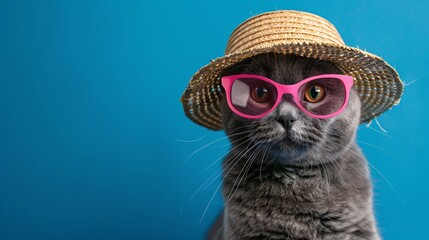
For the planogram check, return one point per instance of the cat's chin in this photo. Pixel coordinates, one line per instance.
(289, 151)
(283, 156)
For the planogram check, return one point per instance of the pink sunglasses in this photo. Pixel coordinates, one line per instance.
(254, 96)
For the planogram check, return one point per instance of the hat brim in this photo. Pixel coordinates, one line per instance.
(377, 83)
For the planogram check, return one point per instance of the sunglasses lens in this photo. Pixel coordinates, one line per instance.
(252, 96)
(323, 96)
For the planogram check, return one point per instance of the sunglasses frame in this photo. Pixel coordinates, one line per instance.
(282, 89)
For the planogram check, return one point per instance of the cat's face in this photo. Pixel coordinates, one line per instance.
(287, 135)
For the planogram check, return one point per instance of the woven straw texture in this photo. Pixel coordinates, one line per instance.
(302, 34)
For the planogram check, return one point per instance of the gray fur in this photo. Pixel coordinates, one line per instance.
(309, 182)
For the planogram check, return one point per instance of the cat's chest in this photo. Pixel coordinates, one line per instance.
(274, 189)
(287, 196)
(288, 206)
(290, 213)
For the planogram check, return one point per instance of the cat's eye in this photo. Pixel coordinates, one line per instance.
(314, 93)
(260, 94)
(253, 96)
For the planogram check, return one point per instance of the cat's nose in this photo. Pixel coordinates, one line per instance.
(286, 120)
(287, 113)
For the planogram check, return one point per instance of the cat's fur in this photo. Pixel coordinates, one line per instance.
(308, 182)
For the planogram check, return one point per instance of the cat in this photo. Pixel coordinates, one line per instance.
(291, 176)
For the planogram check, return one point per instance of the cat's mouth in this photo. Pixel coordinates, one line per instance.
(289, 148)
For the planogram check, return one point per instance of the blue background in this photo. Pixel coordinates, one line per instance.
(93, 140)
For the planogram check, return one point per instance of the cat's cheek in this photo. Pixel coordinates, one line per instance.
(278, 128)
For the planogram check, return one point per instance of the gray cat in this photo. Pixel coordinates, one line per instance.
(291, 176)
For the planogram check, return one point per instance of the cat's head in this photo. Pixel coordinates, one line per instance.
(287, 135)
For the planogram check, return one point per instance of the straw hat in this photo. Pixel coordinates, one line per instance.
(302, 34)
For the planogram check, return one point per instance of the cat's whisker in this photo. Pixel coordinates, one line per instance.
(347, 148)
(237, 128)
(214, 162)
(216, 174)
(208, 205)
(256, 154)
(192, 140)
(249, 163)
(334, 163)
(202, 185)
(217, 189)
(262, 161)
(201, 148)
(219, 173)
(232, 189)
(388, 182)
(378, 171)
(236, 154)
(213, 142)
(221, 157)
(374, 146)
(327, 180)
(237, 140)
(210, 201)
